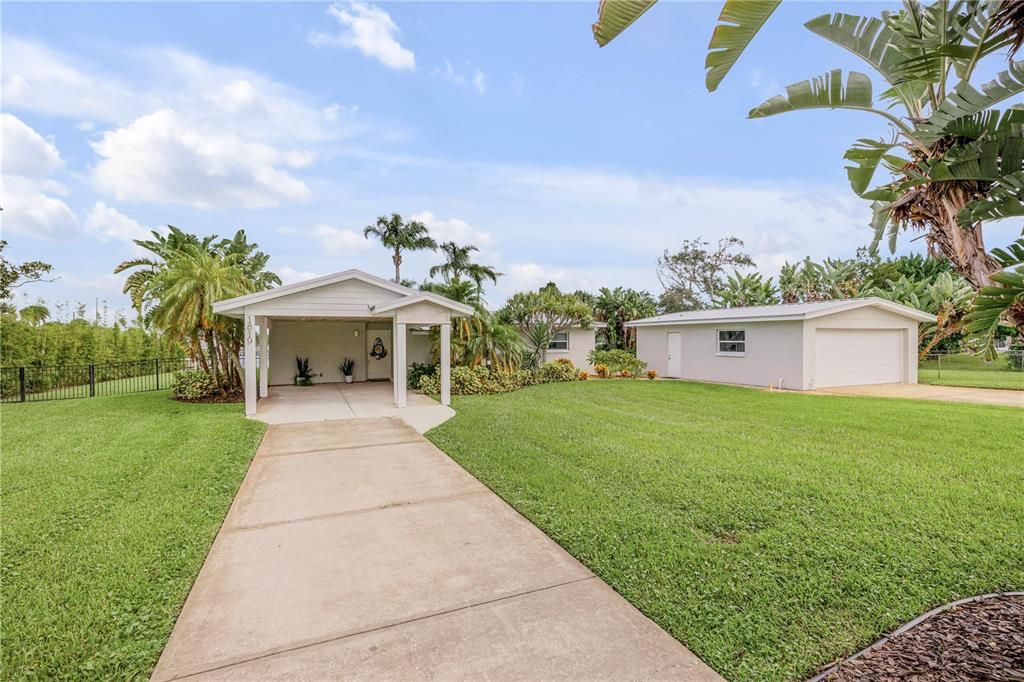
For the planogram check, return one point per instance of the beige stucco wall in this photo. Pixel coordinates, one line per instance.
(327, 342)
(862, 318)
(773, 353)
(581, 342)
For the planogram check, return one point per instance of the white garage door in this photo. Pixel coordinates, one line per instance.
(847, 357)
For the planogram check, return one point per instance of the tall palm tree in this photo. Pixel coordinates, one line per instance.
(458, 262)
(618, 306)
(399, 236)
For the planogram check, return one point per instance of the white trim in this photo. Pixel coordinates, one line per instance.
(234, 305)
(780, 313)
(422, 297)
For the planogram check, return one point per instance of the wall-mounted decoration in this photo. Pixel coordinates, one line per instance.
(378, 351)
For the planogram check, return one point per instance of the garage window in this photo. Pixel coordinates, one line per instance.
(559, 341)
(732, 342)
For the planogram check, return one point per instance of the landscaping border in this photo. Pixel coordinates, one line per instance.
(903, 629)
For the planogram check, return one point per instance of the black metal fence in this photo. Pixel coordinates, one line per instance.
(64, 382)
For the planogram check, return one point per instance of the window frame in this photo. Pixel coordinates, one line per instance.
(731, 353)
(558, 349)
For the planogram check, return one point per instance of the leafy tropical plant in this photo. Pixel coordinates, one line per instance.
(347, 366)
(175, 289)
(946, 295)
(1003, 300)
(398, 235)
(616, 361)
(303, 373)
(493, 344)
(541, 314)
(616, 307)
(747, 290)
(192, 384)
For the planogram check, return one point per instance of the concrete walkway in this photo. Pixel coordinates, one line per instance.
(956, 394)
(291, 404)
(357, 550)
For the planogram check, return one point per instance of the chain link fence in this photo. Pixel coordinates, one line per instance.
(1006, 370)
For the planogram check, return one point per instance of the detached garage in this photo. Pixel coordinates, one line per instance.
(800, 346)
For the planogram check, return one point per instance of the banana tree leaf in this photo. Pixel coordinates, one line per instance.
(1004, 199)
(615, 16)
(988, 123)
(866, 154)
(738, 23)
(987, 159)
(824, 92)
(867, 37)
(965, 100)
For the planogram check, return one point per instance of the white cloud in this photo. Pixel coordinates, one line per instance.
(370, 30)
(290, 275)
(518, 85)
(28, 162)
(454, 230)
(160, 158)
(336, 240)
(470, 75)
(522, 276)
(107, 223)
(26, 152)
(85, 126)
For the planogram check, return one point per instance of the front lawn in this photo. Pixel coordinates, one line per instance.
(770, 532)
(109, 508)
(970, 370)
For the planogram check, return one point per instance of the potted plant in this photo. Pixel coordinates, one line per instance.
(304, 375)
(346, 366)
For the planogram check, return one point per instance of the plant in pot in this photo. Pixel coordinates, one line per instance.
(304, 375)
(347, 366)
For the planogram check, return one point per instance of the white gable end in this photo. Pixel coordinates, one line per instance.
(349, 298)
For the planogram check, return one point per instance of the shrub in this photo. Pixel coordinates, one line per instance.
(617, 361)
(652, 374)
(1015, 356)
(192, 384)
(626, 374)
(560, 370)
(417, 371)
(583, 375)
(601, 369)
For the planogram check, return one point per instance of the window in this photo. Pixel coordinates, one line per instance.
(732, 341)
(559, 341)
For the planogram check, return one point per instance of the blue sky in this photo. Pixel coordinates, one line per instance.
(498, 124)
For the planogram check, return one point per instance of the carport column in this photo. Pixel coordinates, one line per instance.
(250, 364)
(446, 363)
(398, 345)
(264, 323)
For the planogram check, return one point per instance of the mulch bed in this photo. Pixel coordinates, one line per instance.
(976, 640)
(237, 397)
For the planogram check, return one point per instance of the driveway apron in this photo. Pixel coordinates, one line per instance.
(356, 549)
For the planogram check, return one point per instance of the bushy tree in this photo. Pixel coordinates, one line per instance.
(693, 275)
(14, 275)
(541, 314)
(616, 307)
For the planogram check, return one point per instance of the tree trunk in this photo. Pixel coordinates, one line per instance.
(965, 248)
(397, 260)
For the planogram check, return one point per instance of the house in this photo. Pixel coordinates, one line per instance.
(799, 346)
(381, 325)
(575, 344)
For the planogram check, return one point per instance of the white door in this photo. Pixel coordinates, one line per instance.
(848, 357)
(674, 366)
(378, 354)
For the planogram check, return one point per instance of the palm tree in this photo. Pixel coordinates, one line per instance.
(493, 344)
(618, 306)
(457, 262)
(400, 236)
(174, 292)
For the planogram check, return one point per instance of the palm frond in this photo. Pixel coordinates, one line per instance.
(738, 23)
(615, 16)
(824, 92)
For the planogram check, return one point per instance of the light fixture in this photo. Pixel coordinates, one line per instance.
(355, 333)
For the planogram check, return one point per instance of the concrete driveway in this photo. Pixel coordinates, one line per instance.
(956, 394)
(358, 550)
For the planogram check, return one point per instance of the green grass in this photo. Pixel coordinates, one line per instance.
(769, 532)
(109, 508)
(970, 370)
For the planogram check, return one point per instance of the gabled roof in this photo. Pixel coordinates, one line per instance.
(424, 297)
(234, 306)
(781, 312)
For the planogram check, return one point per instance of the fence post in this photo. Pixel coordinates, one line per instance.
(157, 364)
(92, 381)
(21, 383)
(939, 356)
